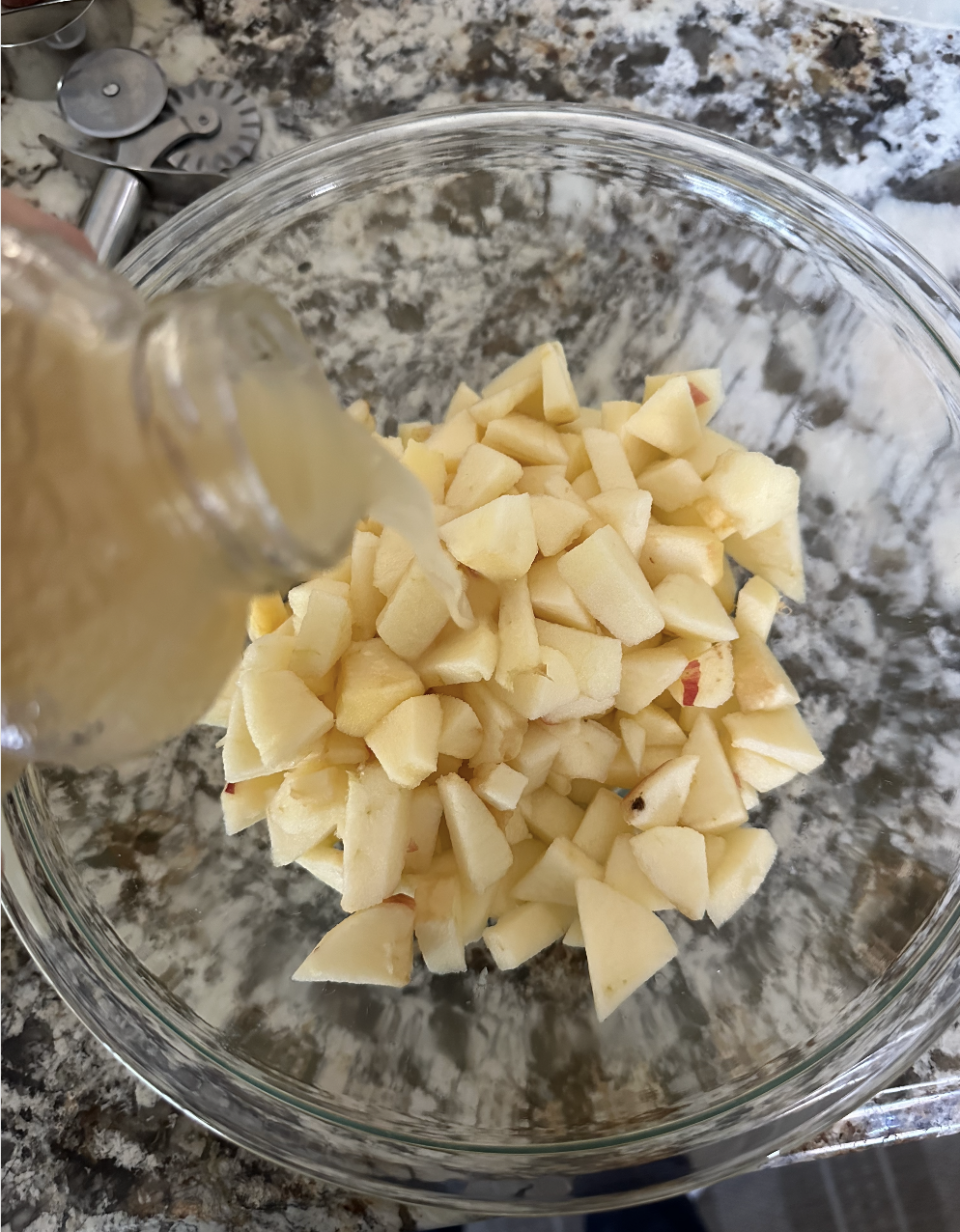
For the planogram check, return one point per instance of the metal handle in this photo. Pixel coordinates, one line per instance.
(112, 213)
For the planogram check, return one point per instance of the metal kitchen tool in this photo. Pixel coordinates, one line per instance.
(40, 41)
(174, 144)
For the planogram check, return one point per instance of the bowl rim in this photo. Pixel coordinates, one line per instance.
(920, 288)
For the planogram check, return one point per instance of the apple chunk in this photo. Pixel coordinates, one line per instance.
(553, 878)
(376, 836)
(714, 802)
(691, 609)
(708, 680)
(761, 683)
(761, 773)
(283, 716)
(626, 944)
(747, 857)
(646, 673)
(668, 418)
(483, 854)
(607, 580)
(413, 615)
(602, 823)
(498, 540)
(373, 680)
(461, 656)
(681, 549)
(627, 511)
(675, 860)
(780, 734)
(524, 931)
(482, 476)
(374, 946)
(406, 742)
(436, 924)
(245, 803)
(623, 874)
(706, 389)
(776, 554)
(757, 605)
(460, 732)
(753, 490)
(659, 799)
(556, 522)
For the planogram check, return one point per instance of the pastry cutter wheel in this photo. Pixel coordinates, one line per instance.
(173, 143)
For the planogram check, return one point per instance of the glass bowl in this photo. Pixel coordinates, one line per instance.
(422, 251)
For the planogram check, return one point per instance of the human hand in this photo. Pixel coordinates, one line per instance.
(19, 213)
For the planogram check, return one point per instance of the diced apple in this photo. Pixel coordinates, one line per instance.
(529, 365)
(483, 854)
(595, 659)
(658, 799)
(627, 511)
(503, 728)
(634, 739)
(672, 484)
(406, 741)
(534, 479)
(373, 680)
(706, 389)
(726, 589)
(540, 747)
(437, 924)
(711, 446)
(623, 874)
(537, 694)
(429, 466)
(299, 596)
(560, 404)
(691, 609)
(461, 656)
(675, 860)
(475, 911)
(608, 582)
(553, 599)
(747, 858)
(646, 673)
(601, 824)
(515, 829)
(265, 613)
(524, 931)
(283, 716)
(425, 815)
(660, 727)
(376, 836)
(245, 803)
(526, 854)
(528, 440)
(578, 460)
(714, 803)
(325, 862)
(500, 786)
(311, 802)
(218, 715)
(550, 815)
(753, 489)
(656, 755)
(775, 554)
(365, 600)
(582, 707)
(498, 540)
(553, 879)
(504, 401)
(482, 476)
(394, 557)
(715, 517)
(608, 460)
(415, 430)
(586, 485)
(757, 605)
(454, 437)
(759, 772)
(586, 750)
(341, 750)
(326, 629)
(693, 550)
(668, 418)
(557, 523)
(779, 734)
(374, 946)
(463, 398)
(761, 683)
(573, 937)
(519, 647)
(241, 757)
(272, 652)
(626, 944)
(460, 732)
(413, 615)
(708, 680)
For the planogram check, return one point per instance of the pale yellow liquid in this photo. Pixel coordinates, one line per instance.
(122, 613)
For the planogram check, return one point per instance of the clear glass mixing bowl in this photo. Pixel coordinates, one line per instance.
(420, 251)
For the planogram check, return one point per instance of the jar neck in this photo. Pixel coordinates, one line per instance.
(229, 391)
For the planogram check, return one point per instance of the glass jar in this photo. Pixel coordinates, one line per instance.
(161, 464)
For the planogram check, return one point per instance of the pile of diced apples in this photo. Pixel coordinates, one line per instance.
(581, 759)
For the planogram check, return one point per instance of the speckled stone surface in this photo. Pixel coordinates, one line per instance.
(873, 108)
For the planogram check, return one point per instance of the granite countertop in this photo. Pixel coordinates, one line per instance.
(871, 107)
